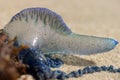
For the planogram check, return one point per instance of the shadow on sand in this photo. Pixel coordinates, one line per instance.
(73, 60)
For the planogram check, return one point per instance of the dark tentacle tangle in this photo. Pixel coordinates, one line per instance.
(36, 63)
(40, 67)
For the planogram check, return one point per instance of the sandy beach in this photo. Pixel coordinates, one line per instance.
(89, 17)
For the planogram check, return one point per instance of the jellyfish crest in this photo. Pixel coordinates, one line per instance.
(44, 16)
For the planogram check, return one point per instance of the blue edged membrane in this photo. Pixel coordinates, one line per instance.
(40, 68)
(116, 42)
(43, 14)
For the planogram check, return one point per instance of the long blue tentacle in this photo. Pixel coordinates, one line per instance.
(40, 68)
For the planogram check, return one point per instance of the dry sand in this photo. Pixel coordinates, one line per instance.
(90, 17)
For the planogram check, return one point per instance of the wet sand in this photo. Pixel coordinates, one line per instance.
(90, 17)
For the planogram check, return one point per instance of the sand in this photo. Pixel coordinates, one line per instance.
(89, 17)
